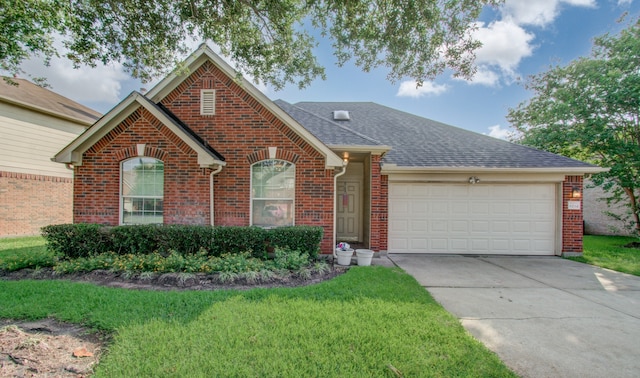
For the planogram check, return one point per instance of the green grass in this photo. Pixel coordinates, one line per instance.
(31, 251)
(356, 325)
(609, 252)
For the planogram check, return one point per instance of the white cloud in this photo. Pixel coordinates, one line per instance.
(410, 88)
(504, 44)
(485, 76)
(538, 12)
(84, 84)
(497, 131)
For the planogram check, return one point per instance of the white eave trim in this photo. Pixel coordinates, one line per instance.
(393, 168)
(72, 154)
(375, 149)
(203, 53)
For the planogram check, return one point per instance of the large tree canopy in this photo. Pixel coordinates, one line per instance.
(267, 39)
(590, 110)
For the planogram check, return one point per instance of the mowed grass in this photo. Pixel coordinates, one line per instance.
(16, 253)
(369, 322)
(609, 252)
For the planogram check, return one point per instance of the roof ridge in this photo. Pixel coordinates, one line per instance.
(332, 122)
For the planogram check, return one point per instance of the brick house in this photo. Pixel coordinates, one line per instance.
(35, 123)
(206, 147)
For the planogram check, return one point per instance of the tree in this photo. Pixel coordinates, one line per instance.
(590, 110)
(267, 39)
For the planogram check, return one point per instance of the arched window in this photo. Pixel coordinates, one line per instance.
(273, 184)
(141, 191)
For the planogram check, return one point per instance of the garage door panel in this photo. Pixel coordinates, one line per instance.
(487, 219)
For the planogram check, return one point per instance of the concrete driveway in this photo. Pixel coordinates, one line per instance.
(544, 316)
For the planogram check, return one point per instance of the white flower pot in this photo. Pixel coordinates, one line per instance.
(344, 257)
(364, 256)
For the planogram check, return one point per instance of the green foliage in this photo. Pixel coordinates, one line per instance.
(140, 239)
(288, 259)
(239, 239)
(188, 240)
(85, 240)
(301, 238)
(267, 40)
(25, 252)
(72, 241)
(590, 110)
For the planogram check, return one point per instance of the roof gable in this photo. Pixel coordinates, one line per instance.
(204, 54)
(72, 154)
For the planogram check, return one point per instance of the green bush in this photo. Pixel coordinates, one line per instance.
(136, 239)
(186, 239)
(301, 238)
(237, 239)
(288, 259)
(72, 241)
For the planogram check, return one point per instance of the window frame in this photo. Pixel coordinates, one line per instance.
(122, 196)
(253, 199)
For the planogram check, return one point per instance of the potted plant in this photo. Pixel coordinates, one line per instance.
(344, 253)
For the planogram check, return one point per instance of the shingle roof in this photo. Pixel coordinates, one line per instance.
(421, 142)
(328, 131)
(38, 98)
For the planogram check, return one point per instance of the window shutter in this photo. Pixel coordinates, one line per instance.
(208, 102)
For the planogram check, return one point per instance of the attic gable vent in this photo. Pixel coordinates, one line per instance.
(208, 102)
(341, 115)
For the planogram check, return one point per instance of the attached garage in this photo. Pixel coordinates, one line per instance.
(509, 219)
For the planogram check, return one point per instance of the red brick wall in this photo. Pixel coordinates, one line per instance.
(241, 130)
(29, 202)
(571, 219)
(379, 206)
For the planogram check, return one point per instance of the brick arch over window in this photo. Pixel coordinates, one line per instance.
(132, 151)
(281, 154)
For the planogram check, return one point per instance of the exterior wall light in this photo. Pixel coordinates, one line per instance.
(473, 180)
(576, 192)
(345, 157)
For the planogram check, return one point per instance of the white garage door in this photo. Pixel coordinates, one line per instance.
(472, 219)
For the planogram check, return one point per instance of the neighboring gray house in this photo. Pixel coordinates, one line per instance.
(35, 123)
(596, 219)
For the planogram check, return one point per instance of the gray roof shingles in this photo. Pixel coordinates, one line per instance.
(420, 142)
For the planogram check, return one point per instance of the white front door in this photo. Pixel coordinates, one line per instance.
(349, 217)
(510, 219)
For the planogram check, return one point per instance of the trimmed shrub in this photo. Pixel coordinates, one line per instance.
(305, 239)
(72, 241)
(86, 240)
(136, 239)
(238, 239)
(186, 239)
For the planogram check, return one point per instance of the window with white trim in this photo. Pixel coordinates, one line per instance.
(207, 102)
(141, 191)
(273, 184)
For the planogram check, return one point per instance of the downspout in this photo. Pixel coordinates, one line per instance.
(335, 205)
(217, 170)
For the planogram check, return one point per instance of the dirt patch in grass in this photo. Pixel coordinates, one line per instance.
(47, 348)
(635, 245)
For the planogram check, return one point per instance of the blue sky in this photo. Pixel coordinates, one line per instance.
(521, 38)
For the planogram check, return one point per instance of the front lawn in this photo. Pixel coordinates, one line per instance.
(369, 322)
(609, 252)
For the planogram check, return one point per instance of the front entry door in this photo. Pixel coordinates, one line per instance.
(349, 217)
